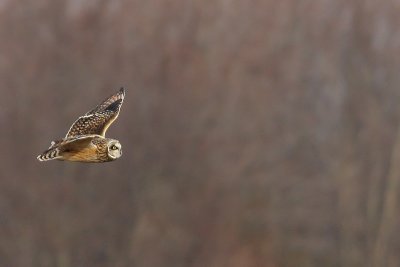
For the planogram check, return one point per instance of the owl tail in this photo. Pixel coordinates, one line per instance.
(51, 153)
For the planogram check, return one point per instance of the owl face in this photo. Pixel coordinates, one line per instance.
(114, 149)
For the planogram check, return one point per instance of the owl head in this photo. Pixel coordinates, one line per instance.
(114, 149)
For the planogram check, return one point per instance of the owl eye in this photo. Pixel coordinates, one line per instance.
(114, 147)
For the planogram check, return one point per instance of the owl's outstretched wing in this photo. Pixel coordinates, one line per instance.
(75, 143)
(100, 118)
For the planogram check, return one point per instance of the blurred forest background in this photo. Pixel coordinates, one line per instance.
(255, 133)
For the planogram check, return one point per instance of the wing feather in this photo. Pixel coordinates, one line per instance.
(66, 145)
(109, 101)
(100, 118)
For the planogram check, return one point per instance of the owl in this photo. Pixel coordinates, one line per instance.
(85, 140)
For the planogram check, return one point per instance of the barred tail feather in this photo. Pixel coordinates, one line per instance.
(52, 153)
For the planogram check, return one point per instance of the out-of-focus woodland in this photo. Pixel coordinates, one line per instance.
(255, 133)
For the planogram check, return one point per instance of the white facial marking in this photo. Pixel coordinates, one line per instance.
(114, 150)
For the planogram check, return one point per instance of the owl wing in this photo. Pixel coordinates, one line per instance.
(109, 101)
(97, 121)
(75, 143)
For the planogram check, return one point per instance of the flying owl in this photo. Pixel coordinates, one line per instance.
(85, 140)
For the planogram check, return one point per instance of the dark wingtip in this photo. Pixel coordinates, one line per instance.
(115, 105)
(122, 90)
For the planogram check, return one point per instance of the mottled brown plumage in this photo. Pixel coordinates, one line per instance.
(85, 140)
(100, 118)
